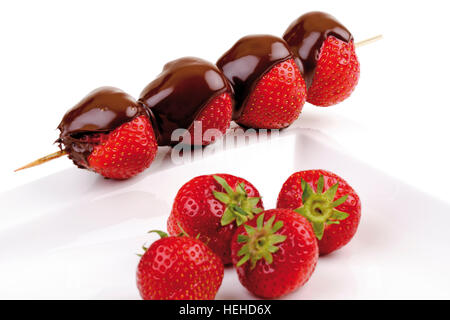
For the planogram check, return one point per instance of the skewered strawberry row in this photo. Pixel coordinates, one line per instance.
(262, 82)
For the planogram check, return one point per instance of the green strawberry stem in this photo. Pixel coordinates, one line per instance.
(162, 234)
(260, 242)
(319, 207)
(239, 206)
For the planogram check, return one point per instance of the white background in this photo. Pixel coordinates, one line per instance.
(52, 53)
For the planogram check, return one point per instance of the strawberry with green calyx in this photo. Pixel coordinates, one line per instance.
(213, 206)
(178, 268)
(334, 209)
(275, 253)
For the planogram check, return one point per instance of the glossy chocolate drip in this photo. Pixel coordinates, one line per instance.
(101, 111)
(179, 94)
(248, 61)
(306, 35)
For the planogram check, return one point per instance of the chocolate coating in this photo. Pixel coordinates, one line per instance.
(101, 111)
(179, 94)
(306, 35)
(248, 61)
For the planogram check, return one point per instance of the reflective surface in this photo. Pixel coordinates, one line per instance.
(80, 241)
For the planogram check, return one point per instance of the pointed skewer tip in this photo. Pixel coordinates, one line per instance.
(42, 160)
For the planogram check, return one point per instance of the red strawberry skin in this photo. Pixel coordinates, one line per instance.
(336, 75)
(293, 264)
(335, 235)
(198, 212)
(124, 152)
(215, 116)
(179, 268)
(277, 99)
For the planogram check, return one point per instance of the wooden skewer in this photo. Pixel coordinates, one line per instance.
(43, 160)
(368, 41)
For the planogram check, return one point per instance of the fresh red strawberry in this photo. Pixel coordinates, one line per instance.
(334, 209)
(212, 206)
(275, 253)
(277, 98)
(215, 116)
(124, 152)
(179, 268)
(336, 75)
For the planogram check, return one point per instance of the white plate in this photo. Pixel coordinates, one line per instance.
(74, 234)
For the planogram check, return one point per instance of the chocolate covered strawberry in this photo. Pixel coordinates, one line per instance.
(191, 96)
(328, 202)
(325, 53)
(179, 268)
(109, 133)
(275, 253)
(212, 207)
(269, 90)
